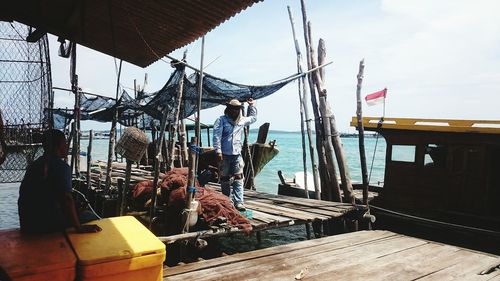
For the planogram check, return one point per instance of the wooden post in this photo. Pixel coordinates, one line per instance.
(190, 191)
(304, 118)
(173, 131)
(335, 136)
(183, 141)
(208, 136)
(326, 178)
(119, 187)
(263, 132)
(200, 93)
(89, 157)
(76, 112)
(249, 181)
(361, 132)
(70, 140)
(112, 133)
(198, 107)
(158, 147)
(128, 171)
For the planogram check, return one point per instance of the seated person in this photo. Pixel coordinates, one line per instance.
(45, 200)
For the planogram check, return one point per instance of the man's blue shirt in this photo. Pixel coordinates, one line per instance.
(227, 134)
(46, 181)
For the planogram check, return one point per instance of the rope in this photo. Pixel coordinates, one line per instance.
(447, 224)
(373, 158)
(87, 202)
(379, 125)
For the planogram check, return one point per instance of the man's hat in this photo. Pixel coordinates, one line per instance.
(234, 103)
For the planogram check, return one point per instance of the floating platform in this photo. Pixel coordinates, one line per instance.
(363, 255)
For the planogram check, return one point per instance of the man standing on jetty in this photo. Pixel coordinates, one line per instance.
(227, 143)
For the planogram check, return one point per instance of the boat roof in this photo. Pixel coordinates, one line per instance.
(430, 125)
(139, 32)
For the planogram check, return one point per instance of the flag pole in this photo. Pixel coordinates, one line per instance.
(385, 97)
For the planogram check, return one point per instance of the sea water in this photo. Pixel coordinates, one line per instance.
(288, 160)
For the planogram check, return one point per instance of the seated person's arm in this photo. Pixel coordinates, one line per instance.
(70, 212)
(68, 204)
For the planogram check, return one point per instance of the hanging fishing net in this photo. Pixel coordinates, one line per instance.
(148, 108)
(25, 93)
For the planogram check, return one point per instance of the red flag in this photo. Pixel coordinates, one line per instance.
(376, 98)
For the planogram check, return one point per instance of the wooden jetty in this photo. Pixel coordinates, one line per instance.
(272, 211)
(373, 255)
(265, 210)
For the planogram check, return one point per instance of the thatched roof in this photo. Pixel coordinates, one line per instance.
(136, 31)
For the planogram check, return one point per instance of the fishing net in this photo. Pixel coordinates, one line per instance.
(213, 204)
(25, 93)
(147, 109)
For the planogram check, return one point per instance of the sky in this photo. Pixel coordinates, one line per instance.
(438, 59)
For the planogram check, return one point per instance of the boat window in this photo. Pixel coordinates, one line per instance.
(403, 153)
(435, 155)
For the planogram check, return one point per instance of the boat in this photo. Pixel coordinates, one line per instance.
(295, 187)
(440, 179)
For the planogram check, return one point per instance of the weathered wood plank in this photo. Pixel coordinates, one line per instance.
(469, 266)
(406, 264)
(331, 262)
(281, 211)
(339, 241)
(270, 218)
(375, 255)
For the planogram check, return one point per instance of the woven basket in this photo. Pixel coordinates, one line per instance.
(132, 144)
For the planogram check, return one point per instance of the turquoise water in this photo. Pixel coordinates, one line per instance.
(289, 161)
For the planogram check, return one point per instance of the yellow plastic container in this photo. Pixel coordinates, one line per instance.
(124, 250)
(36, 257)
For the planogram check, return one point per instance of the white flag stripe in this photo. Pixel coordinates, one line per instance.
(376, 101)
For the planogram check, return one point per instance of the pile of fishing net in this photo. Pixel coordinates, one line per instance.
(213, 205)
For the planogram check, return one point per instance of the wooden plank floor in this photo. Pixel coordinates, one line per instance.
(271, 211)
(363, 255)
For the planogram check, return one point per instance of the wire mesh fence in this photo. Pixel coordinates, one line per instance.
(25, 94)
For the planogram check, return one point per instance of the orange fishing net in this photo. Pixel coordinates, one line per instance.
(212, 203)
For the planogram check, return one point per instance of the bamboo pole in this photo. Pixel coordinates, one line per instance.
(89, 157)
(112, 132)
(173, 130)
(304, 113)
(329, 122)
(361, 134)
(190, 191)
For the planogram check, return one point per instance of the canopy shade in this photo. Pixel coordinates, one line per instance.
(139, 32)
